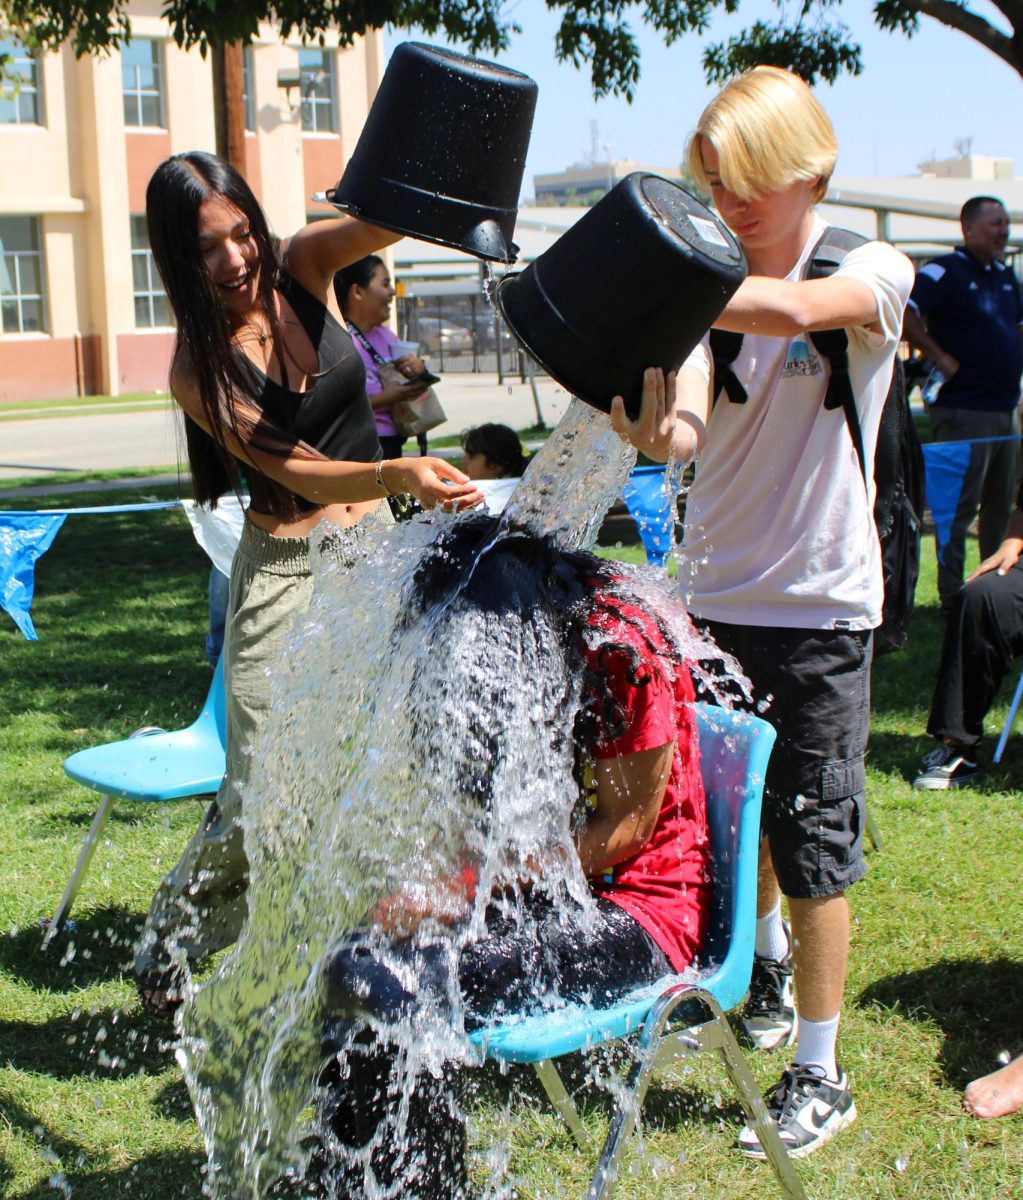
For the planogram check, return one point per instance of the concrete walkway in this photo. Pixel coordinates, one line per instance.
(105, 441)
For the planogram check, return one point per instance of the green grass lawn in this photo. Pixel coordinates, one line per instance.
(91, 1101)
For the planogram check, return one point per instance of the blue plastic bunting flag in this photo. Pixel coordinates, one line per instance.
(945, 466)
(652, 510)
(24, 537)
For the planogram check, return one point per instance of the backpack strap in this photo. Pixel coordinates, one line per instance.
(725, 347)
(833, 344)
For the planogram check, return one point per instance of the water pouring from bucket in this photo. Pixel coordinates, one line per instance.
(419, 729)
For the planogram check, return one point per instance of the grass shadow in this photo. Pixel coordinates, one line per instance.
(976, 1004)
(100, 1043)
(95, 948)
(166, 1176)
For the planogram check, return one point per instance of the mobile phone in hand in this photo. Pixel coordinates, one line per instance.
(427, 378)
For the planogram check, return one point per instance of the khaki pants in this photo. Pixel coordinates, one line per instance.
(200, 906)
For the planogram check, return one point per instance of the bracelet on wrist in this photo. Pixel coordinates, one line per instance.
(381, 481)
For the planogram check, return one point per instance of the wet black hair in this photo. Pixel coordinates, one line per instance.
(356, 274)
(499, 444)
(515, 573)
(177, 190)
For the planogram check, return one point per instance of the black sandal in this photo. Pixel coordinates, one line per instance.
(161, 993)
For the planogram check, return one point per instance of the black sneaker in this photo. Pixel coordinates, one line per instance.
(807, 1109)
(945, 767)
(769, 1016)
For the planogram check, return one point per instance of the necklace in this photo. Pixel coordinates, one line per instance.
(262, 336)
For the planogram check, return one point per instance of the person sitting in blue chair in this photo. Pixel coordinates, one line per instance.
(641, 838)
(983, 635)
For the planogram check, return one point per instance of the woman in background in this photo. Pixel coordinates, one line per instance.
(364, 293)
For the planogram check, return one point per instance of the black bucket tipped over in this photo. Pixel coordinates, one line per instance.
(635, 283)
(443, 150)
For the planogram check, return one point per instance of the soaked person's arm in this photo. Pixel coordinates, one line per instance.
(630, 791)
(320, 249)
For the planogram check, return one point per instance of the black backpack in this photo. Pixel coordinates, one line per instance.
(898, 460)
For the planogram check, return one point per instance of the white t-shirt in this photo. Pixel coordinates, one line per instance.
(779, 526)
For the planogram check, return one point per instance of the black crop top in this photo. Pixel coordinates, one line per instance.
(333, 414)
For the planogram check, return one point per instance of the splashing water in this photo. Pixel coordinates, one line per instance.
(389, 729)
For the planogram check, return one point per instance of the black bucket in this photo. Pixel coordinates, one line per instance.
(635, 283)
(442, 152)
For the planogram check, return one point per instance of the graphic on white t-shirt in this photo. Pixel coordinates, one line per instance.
(801, 360)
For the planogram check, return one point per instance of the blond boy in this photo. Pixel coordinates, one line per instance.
(780, 560)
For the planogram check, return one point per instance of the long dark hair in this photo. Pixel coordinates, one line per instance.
(356, 274)
(176, 192)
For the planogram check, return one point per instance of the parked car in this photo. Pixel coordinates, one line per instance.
(435, 335)
(487, 334)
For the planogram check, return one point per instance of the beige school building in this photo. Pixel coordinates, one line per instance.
(81, 304)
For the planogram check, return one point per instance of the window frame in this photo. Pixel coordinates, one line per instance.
(249, 88)
(12, 262)
(150, 296)
(312, 105)
(139, 94)
(31, 87)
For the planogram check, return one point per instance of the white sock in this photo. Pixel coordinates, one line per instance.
(771, 941)
(815, 1045)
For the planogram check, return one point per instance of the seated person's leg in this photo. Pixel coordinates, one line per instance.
(984, 633)
(557, 954)
(546, 953)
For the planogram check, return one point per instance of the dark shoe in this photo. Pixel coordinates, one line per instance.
(769, 1017)
(945, 767)
(807, 1109)
(161, 992)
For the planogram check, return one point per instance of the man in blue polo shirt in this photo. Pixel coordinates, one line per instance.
(972, 307)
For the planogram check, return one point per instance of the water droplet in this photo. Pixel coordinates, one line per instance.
(901, 1163)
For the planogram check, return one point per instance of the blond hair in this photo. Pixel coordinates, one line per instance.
(769, 131)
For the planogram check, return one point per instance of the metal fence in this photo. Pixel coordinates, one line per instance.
(461, 333)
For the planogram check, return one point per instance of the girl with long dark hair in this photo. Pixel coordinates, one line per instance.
(271, 386)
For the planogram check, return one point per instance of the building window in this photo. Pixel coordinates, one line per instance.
(318, 109)
(151, 308)
(19, 89)
(249, 89)
(141, 76)
(21, 276)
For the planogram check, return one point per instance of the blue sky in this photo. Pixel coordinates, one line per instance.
(914, 96)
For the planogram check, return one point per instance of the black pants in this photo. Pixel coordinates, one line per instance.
(816, 685)
(512, 968)
(983, 634)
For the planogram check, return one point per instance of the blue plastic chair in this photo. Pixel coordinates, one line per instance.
(675, 1017)
(150, 765)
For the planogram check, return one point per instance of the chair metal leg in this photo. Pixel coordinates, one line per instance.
(623, 1126)
(84, 859)
(1009, 721)
(756, 1111)
(563, 1102)
(660, 1045)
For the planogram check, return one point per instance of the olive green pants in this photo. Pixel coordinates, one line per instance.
(200, 906)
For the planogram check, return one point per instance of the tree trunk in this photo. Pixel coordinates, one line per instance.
(229, 104)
